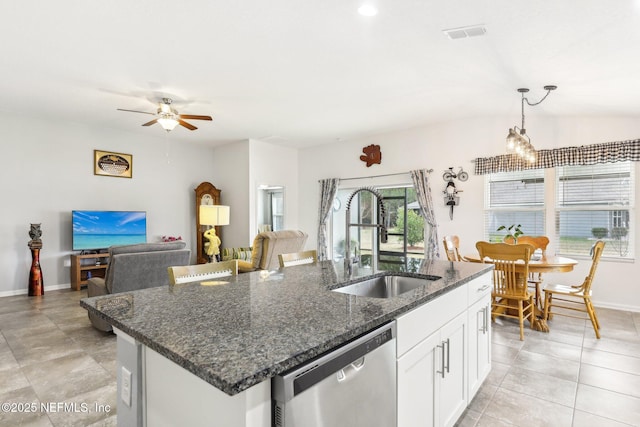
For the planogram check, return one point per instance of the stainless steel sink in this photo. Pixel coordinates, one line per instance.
(385, 286)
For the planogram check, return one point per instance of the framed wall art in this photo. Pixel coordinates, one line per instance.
(107, 163)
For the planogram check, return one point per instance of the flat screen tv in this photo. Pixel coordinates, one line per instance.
(97, 230)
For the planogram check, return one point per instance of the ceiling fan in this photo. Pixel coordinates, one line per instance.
(168, 117)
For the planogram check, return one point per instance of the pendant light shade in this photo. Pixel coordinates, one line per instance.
(518, 141)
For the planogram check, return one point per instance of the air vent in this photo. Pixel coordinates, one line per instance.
(464, 32)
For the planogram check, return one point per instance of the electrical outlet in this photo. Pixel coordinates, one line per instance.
(125, 386)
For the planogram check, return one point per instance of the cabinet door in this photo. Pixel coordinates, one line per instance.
(479, 344)
(418, 384)
(453, 383)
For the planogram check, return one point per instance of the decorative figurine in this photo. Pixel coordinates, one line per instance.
(36, 286)
(213, 248)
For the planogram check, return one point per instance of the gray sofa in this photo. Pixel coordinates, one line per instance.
(133, 267)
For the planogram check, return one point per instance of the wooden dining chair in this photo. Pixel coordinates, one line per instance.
(535, 279)
(298, 258)
(199, 272)
(569, 298)
(538, 242)
(509, 280)
(452, 247)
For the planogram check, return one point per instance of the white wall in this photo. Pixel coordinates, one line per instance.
(48, 171)
(274, 165)
(230, 171)
(457, 144)
(239, 168)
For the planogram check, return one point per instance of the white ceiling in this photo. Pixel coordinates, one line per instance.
(301, 73)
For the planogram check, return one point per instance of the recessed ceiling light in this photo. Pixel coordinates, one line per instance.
(368, 9)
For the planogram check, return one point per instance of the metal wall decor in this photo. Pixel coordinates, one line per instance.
(451, 197)
(107, 163)
(372, 155)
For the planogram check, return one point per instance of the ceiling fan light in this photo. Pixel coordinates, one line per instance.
(168, 124)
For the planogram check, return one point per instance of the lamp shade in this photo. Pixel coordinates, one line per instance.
(214, 215)
(512, 139)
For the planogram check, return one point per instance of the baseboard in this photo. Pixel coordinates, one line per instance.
(621, 307)
(26, 291)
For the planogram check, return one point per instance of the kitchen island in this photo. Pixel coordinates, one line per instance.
(230, 337)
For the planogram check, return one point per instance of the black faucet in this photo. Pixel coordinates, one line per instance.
(348, 263)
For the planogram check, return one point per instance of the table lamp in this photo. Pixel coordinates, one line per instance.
(213, 215)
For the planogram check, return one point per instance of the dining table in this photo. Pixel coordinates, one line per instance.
(539, 264)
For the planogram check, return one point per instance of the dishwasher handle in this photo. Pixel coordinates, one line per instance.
(347, 359)
(351, 369)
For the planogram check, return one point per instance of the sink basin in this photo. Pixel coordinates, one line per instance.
(385, 286)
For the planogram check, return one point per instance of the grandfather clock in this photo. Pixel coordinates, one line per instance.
(206, 194)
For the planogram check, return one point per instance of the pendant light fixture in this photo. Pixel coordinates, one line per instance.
(518, 141)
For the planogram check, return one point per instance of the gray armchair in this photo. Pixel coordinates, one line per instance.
(133, 267)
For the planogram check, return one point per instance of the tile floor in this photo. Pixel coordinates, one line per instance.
(564, 378)
(50, 354)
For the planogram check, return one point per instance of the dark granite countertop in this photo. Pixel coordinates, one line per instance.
(239, 334)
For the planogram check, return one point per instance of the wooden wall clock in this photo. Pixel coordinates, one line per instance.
(206, 194)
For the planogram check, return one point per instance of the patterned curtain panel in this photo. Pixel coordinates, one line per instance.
(608, 152)
(328, 188)
(423, 192)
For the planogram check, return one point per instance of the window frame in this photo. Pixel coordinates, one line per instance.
(615, 211)
(490, 232)
(552, 207)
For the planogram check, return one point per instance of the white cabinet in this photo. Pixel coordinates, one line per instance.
(479, 344)
(479, 321)
(417, 384)
(444, 355)
(432, 362)
(432, 389)
(453, 378)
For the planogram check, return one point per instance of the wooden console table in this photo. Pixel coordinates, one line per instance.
(85, 266)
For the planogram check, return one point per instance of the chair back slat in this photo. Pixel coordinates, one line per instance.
(538, 242)
(452, 247)
(511, 266)
(199, 272)
(298, 258)
(596, 253)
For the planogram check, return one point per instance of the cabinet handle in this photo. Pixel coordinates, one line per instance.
(448, 351)
(441, 347)
(484, 288)
(484, 320)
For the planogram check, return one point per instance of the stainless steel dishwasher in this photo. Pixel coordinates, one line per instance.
(351, 386)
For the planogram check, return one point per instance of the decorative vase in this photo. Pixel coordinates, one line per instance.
(36, 286)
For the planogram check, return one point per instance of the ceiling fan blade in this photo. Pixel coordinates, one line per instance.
(187, 125)
(136, 111)
(192, 117)
(151, 122)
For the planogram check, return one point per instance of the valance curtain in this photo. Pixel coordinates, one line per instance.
(328, 189)
(423, 193)
(608, 152)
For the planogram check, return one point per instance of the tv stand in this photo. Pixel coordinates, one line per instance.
(84, 266)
